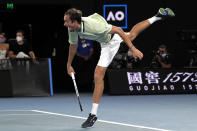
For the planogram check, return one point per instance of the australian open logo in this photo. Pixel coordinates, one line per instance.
(116, 15)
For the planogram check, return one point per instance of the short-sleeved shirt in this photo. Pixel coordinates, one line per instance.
(16, 48)
(93, 27)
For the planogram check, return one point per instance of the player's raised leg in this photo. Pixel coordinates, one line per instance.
(162, 14)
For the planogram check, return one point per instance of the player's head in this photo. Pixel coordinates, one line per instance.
(72, 19)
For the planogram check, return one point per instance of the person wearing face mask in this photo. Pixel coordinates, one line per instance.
(20, 48)
(162, 58)
(4, 46)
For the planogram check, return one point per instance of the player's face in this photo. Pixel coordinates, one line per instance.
(19, 34)
(68, 23)
(163, 50)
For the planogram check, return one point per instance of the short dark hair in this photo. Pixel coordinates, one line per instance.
(163, 46)
(74, 14)
(21, 31)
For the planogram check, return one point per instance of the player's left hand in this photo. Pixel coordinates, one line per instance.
(136, 53)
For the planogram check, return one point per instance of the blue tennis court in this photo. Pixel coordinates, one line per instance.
(137, 113)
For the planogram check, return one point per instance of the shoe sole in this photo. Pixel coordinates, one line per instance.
(170, 12)
(88, 126)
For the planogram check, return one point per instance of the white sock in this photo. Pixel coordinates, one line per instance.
(153, 19)
(94, 108)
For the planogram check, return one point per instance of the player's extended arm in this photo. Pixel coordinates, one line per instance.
(72, 52)
(136, 52)
(122, 34)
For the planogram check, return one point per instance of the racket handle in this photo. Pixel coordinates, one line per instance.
(72, 75)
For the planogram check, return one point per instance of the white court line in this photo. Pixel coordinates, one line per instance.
(14, 114)
(22, 114)
(110, 122)
(14, 110)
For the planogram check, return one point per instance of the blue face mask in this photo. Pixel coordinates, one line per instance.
(2, 40)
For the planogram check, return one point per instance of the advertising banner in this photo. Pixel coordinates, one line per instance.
(153, 81)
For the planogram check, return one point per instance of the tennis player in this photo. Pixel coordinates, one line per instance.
(95, 27)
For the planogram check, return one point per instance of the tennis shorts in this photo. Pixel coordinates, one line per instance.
(109, 50)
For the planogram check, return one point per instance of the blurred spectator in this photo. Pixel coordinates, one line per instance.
(4, 46)
(20, 48)
(192, 57)
(162, 58)
(85, 49)
(124, 59)
(119, 61)
(83, 58)
(120, 58)
(130, 60)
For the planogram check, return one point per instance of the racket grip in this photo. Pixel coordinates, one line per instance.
(72, 75)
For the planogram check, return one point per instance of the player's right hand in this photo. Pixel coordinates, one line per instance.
(70, 70)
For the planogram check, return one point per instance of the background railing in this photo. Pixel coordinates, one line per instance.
(26, 77)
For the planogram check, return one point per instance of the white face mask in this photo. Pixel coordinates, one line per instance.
(19, 38)
(163, 55)
(129, 53)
